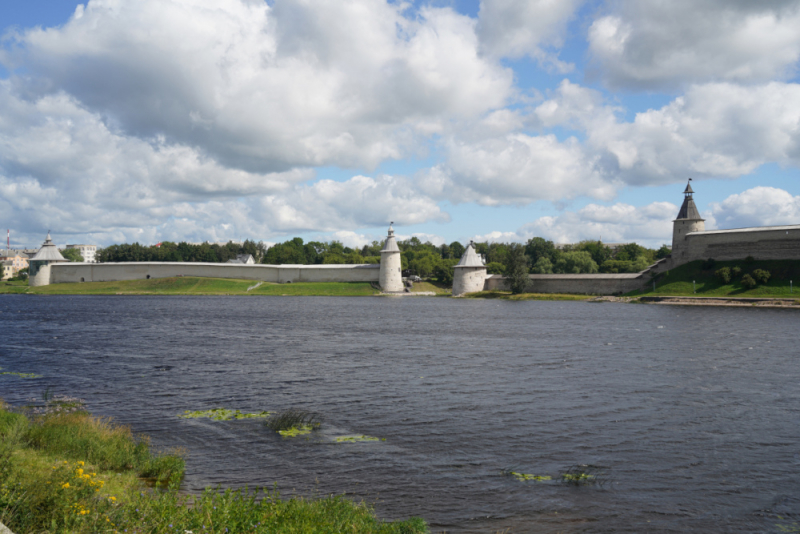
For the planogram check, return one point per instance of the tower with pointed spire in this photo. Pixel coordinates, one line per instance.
(688, 221)
(470, 273)
(391, 275)
(39, 264)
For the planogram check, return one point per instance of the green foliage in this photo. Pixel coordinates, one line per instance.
(72, 254)
(445, 270)
(526, 477)
(542, 266)
(575, 262)
(357, 439)
(456, 250)
(538, 247)
(761, 276)
(583, 475)
(19, 374)
(663, 252)
(724, 275)
(517, 269)
(495, 268)
(293, 418)
(169, 252)
(736, 271)
(748, 282)
(78, 435)
(599, 252)
(749, 259)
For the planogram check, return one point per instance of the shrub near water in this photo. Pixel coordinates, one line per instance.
(101, 443)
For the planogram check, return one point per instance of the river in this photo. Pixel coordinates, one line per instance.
(689, 416)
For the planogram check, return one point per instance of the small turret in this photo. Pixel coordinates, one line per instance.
(391, 276)
(470, 273)
(688, 221)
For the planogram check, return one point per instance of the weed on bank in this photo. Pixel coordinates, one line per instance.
(65, 471)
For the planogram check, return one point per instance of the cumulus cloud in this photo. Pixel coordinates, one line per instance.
(649, 225)
(759, 206)
(516, 28)
(720, 129)
(656, 45)
(268, 88)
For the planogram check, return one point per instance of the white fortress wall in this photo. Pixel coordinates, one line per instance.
(112, 272)
(581, 284)
(468, 280)
(763, 243)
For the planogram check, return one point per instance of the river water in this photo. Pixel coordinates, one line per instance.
(689, 415)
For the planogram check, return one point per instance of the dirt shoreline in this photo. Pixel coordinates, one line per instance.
(709, 301)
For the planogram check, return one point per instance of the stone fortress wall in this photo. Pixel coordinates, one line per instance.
(690, 242)
(111, 272)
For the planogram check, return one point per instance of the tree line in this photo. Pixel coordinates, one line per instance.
(536, 256)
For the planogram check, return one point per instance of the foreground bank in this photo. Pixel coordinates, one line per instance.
(66, 471)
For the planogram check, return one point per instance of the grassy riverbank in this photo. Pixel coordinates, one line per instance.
(197, 286)
(679, 281)
(64, 471)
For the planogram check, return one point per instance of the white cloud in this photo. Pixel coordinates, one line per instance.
(649, 225)
(759, 206)
(301, 83)
(515, 28)
(654, 45)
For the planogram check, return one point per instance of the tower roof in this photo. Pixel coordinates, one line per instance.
(48, 252)
(470, 258)
(688, 208)
(390, 245)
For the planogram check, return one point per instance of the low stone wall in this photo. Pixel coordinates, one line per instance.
(581, 284)
(112, 272)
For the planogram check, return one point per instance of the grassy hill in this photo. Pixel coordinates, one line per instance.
(196, 286)
(678, 281)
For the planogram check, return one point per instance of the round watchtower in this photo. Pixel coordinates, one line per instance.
(39, 264)
(391, 276)
(688, 221)
(470, 273)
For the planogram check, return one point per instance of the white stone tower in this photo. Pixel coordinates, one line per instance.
(391, 277)
(470, 273)
(688, 221)
(39, 264)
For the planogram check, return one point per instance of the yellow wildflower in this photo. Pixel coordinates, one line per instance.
(80, 464)
(79, 472)
(65, 485)
(113, 498)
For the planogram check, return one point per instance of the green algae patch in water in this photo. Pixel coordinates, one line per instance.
(526, 477)
(357, 439)
(296, 431)
(223, 414)
(20, 375)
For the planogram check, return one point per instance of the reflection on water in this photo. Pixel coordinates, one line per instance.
(691, 413)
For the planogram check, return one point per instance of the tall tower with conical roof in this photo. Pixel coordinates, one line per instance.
(391, 275)
(688, 221)
(470, 273)
(39, 264)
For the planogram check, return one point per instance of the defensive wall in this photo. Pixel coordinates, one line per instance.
(585, 284)
(111, 272)
(762, 243)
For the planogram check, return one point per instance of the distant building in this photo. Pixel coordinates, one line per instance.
(18, 259)
(88, 252)
(8, 269)
(247, 259)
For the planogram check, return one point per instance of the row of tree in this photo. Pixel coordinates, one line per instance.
(168, 251)
(538, 255)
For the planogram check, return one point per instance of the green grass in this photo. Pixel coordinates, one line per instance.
(507, 295)
(432, 287)
(678, 281)
(68, 472)
(197, 286)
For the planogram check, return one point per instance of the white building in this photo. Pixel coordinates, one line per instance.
(88, 252)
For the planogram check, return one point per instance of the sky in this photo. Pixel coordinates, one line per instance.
(500, 120)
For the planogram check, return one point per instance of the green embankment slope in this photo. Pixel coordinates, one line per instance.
(197, 286)
(678, 282)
